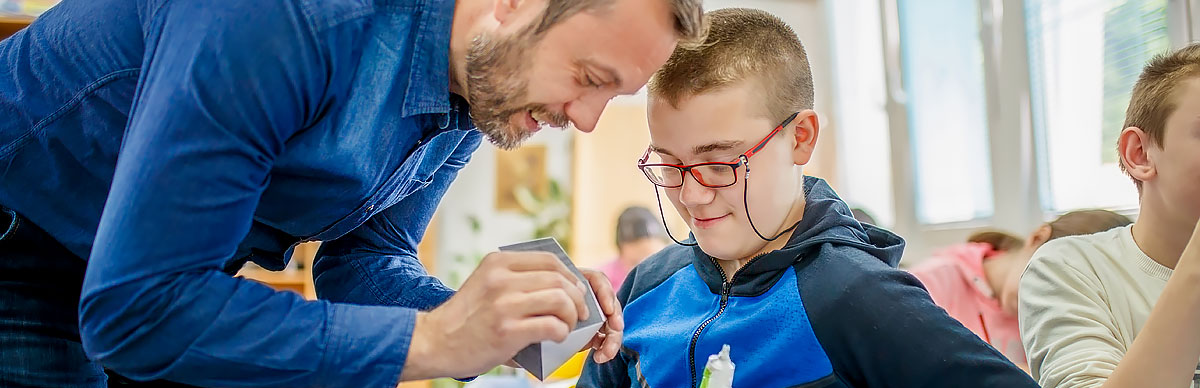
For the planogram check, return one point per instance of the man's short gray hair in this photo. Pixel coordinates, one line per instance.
(689, 15)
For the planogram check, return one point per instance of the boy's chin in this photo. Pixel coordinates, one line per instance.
(722, 250)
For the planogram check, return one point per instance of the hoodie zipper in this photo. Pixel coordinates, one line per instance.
(726, 290)
(726, 285)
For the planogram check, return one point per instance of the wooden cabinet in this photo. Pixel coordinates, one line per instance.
(298, 280)
(10, 25)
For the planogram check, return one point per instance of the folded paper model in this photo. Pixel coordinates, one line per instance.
(541, 359)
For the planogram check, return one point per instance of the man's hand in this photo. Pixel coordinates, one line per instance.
(513, 299)
(607, 342)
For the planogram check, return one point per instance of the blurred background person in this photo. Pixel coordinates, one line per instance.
(976, 282)
(639, 234)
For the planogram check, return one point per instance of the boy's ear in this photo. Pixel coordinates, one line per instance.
(1132, 146)
(807, 126)
(1039, 236)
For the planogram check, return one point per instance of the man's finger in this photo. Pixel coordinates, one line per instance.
(537, 261)
(541, 328)
(534, 281)
(554, 302)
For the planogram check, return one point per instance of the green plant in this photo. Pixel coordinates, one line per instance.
(550, 214)
(466, 261)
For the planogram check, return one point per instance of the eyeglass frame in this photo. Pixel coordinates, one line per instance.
(686, 169)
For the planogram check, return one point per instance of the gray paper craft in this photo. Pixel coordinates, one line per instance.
(543, 358)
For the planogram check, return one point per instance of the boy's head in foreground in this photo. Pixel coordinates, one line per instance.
(723, 102)
(1160, 145)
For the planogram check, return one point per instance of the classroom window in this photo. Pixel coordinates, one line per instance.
(864, 153)
(942, 61)
(1085, 56)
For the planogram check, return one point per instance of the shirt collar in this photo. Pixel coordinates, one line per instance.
(429, 77)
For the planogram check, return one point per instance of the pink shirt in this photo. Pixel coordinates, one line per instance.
(616, 271)
(956, 281)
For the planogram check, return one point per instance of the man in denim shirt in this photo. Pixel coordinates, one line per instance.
(162, 144)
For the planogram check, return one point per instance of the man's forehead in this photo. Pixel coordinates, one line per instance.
(634, 39)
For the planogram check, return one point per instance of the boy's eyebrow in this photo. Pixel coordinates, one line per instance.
(716, 146)
(723, 145)
(661, 151)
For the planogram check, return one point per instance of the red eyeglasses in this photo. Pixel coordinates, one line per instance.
(711, 174)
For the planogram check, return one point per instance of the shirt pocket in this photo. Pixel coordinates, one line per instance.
(435, 156)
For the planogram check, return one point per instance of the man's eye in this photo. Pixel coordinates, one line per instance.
(589, 82)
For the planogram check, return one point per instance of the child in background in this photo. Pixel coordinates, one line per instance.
(776, 268)
(977, 282)
(863, 216)
(1121, 309)
(639, 235)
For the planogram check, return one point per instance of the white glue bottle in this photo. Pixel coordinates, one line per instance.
(718, 373)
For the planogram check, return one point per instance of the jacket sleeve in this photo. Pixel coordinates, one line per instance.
(881, 329)
(614, 373)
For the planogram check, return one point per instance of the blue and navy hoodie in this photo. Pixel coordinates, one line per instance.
(830, 309)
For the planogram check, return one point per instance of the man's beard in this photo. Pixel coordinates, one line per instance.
(498, 88)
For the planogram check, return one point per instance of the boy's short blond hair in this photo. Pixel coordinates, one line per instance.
(1155, 93)
(742, 44)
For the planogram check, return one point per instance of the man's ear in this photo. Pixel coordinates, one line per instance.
(505, 10)
(807, 127)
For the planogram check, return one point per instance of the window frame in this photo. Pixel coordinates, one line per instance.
(1015, 174)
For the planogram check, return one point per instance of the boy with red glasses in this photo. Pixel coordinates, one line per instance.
(776, 266)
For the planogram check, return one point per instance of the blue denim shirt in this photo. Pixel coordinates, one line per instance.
(168, 142)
